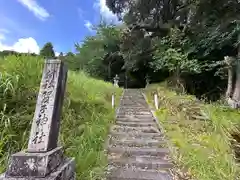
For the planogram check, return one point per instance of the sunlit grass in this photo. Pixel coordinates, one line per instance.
(199, 134)
(86, 116)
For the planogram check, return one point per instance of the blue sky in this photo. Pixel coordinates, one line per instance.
(26, 25)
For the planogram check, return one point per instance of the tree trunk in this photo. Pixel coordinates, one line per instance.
(177, 81)
(236, 94)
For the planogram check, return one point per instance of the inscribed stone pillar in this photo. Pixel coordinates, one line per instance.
(44, 159)
(45, 126)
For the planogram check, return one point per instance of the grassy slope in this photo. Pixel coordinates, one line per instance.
(201, 146)
(86, 116)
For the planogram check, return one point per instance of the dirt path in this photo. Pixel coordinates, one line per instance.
(136, 146)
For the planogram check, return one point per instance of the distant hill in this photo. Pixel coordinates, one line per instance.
(9, 52)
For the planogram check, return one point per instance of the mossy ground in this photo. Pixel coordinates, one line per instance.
(200, 135)
(87, 113)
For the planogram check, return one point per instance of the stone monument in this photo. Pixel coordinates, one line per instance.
(116, 80)
(44, 158)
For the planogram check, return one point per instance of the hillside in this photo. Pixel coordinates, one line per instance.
(201, 136)
(87, 113)
(193, 46)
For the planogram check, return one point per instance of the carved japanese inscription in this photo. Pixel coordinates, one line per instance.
(45, 126)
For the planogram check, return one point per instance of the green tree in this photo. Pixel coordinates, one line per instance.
(100, 55)
(159, 38)
(47, 51)
(61, 54)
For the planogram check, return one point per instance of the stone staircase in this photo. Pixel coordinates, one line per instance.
(136, 145)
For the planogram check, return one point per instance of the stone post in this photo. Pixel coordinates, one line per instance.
(156, 100)
(44, 158)
(113, 100)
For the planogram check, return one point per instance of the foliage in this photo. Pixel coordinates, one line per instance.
(8, 52)
(47, 51)
(171, 56)
(98, 52)
(199, 134)
(175, 61)
(157, 39)
(60, 55)
(86, 116)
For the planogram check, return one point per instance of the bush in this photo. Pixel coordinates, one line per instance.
(199, 134)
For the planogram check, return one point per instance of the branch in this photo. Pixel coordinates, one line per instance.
(162, 27)
(184, 6)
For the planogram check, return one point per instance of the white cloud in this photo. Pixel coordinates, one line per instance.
(2, 34)
(23, 45)
(105, 11)
(57, 54)
(2, 37)
(34, 7)
(88, 25)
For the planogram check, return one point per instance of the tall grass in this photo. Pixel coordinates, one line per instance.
(86, 116)
(199, 134)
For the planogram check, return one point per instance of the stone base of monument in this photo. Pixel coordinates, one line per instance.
(40, 166)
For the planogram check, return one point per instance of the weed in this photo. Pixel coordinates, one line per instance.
(199, 134)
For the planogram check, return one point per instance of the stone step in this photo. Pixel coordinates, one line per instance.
(131, 96)
(134, 98)
(136, 116)
(140, 162)
(132, 119)
(132, 101)
(150, 129)
(136, 124)
(133, 113)
(135, 145)
(133, 107)
(135, 142)
(137, 135)
(112, 155)
(128, 110)
(134, 151)
(134, 104)
(132, 91)
(133, 174)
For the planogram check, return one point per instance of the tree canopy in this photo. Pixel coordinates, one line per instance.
(47, 51)
(186, 42)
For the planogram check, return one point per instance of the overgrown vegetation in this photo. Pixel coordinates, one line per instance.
(194, 44)
(187, 40)
(87, 113)
(200, 135)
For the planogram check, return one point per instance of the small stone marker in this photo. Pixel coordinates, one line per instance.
(44, 159)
